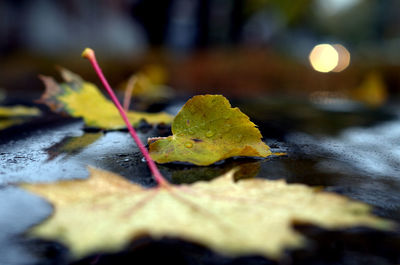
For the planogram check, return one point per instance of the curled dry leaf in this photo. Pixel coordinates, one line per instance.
(206, 130)
(81, 99)
(105, 212)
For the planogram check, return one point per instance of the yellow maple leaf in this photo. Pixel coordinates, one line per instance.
(84, 100)
(206, 130)
(105, 212)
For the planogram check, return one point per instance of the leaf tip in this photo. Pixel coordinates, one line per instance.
(52, 89)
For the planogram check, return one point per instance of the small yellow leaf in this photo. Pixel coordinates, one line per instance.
(105, 212)
(18, 111)
(206, 130)
(84, 100)
(14, 115)
(372, 91)
(149, 85)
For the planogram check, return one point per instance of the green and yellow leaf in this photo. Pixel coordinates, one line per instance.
(81, 99)
(254, 216)
(206, 130)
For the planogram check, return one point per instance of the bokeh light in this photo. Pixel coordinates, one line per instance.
(324, 58)
(329, 58)
(344, 58)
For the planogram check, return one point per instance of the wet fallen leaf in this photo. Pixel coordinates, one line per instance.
(82, 99)
(206, 130)
(18, 111)
(105, 212)
(14, 115)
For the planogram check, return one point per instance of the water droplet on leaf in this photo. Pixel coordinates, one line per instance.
(209, 134)
(239, 137)
(188, 145)
(227, 127)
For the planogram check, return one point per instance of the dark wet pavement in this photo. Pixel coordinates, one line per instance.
(359, 158)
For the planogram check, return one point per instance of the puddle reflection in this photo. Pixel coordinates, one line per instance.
(72, 145)
(246, 168)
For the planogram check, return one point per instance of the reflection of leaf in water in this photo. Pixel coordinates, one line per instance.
(255, 216)
(247, 170)
(193, 174)
(72, 145)
(6, 123)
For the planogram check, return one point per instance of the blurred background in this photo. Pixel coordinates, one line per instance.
(317, 49)
(320, 78)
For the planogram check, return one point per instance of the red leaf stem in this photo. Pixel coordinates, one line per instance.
(89, 54)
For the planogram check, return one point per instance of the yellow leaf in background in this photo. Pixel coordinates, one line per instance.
(156, 73)
(206, 130)
(84, 100)
(255, 216)
(14, 115)
(147, 85)
(141, 86)
(18, 111)
(372, 91)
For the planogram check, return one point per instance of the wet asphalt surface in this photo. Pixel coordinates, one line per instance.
(355, 153)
